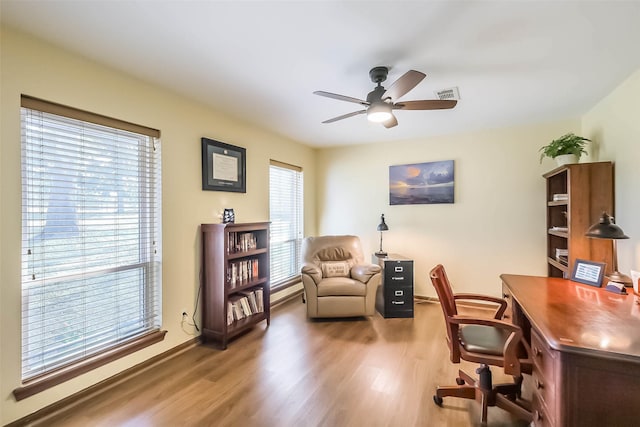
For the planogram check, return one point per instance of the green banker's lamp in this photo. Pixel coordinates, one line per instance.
(607, 229)
(382, 227)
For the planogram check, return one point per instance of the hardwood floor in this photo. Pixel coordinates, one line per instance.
(362, 372)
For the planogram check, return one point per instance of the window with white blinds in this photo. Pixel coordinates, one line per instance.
(286, 216)
(91, 243)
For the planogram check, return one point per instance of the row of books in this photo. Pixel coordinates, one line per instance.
(242, 272)
(560, 197)
(559, 228)
(241, 242)
(562, 256)
(244, 304)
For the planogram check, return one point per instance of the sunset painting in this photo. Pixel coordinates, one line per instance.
(421, 183)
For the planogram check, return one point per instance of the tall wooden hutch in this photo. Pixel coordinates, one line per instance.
(577, 194)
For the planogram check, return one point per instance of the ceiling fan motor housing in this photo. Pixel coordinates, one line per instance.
(378, 74)
(376, 95)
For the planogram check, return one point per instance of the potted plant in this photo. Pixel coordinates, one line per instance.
(566, 149)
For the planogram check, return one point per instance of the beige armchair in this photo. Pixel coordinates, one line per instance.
(337, 280)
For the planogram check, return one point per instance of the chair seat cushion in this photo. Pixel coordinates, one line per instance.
(341, 286)
(483, 339)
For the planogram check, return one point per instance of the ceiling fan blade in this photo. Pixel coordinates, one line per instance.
(404, 84)
(345, 116)
(427, 104)
(391, 122)
(341, 97)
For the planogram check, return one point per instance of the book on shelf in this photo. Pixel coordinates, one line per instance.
(563, 259)
(244, 304)
(557, 228)
(242, 272)
(561, 253)
(259, 299)
(241, 242)
(251, 298)
(235, 305)
(230, 317)
(560, 197)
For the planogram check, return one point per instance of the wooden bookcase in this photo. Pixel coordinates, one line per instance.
(589, 191)
(235, 265)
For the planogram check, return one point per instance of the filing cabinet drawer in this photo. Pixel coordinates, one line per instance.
(399, 297)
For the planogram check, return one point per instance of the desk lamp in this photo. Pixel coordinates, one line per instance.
(606, 229)
(382, 227)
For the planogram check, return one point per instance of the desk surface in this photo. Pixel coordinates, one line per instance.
(579, 318)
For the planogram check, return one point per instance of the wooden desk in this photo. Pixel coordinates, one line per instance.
(586, 350)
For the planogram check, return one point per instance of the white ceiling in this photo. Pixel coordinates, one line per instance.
(515, 62)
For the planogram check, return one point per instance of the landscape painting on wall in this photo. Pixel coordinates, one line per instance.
(421, 183)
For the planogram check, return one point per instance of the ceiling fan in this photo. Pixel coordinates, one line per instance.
(380, 101)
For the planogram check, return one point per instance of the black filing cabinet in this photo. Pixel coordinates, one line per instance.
(395, 294)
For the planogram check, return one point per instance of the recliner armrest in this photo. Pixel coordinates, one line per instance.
(313, 271)
(364, 272)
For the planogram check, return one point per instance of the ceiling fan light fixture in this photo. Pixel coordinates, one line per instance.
(379, 112)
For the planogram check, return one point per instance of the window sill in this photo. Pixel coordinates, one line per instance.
(41, 383)
(286, 284)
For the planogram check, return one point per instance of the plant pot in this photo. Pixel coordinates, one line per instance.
(565, 159)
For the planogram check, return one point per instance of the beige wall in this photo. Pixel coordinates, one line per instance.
(34, 68)
(614, 126)
(496, 225)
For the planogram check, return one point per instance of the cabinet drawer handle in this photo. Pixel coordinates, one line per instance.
(398, 293)
(537, 352)
(537, 415)
(398, 269)
(506, 296)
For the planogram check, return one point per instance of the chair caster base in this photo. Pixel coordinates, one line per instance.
(437, 400)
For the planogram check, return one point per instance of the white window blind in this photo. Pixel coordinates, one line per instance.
(286, 216)
(91, 248)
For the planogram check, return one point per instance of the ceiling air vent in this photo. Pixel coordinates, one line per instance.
(451, 93)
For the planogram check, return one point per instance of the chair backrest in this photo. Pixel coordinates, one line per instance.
(316, 250)
(441, 283)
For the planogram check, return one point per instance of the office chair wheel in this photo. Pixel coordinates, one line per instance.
(459, 381)
(437, 400)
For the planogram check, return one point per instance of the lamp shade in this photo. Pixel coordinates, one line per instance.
(383, 225)
(379, 112)
(606, 229)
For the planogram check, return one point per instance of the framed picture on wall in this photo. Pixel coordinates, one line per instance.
(223, 167)
(421, 183)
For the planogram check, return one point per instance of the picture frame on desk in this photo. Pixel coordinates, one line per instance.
(223, 167)
(588, 272)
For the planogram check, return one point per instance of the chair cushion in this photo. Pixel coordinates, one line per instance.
(341, 286)
(335, 269)
(483, 339)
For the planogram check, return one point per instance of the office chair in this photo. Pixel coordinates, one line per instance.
(490, 342)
